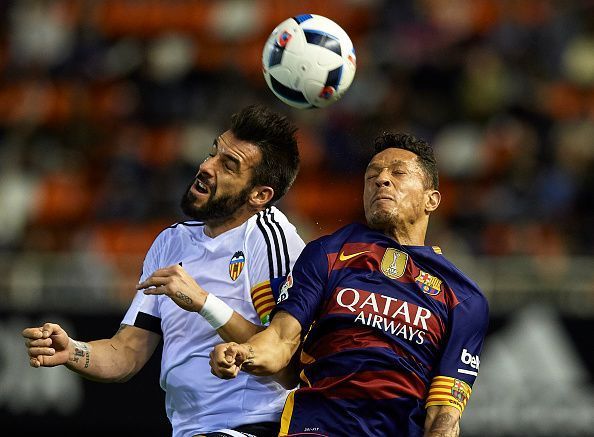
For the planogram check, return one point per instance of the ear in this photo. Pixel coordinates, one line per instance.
(260, 196)
(432, 200)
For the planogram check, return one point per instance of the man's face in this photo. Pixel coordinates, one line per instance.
(223, 182)
(394, 190)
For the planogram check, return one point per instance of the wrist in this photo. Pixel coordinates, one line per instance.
(215, 311)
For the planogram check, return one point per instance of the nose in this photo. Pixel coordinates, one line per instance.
(207, 166)
(383, 179)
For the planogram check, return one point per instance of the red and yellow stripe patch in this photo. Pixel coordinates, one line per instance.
(448, 391)
(263, 300)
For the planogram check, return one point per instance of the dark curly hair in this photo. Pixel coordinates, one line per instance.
(415, 145)
(274, 134)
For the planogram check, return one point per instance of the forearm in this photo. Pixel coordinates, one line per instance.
(271, 350)
(101, 360)
(238, 329)
(442, 421)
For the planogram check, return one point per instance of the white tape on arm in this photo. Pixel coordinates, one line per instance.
(215, 311)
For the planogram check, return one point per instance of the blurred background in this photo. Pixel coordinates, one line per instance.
(107, 108)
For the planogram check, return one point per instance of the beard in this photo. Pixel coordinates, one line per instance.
(381, 220)
(215, 209)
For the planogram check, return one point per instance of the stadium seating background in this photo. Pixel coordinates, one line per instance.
(107, 107)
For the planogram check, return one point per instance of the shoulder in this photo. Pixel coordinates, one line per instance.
(464, 288)
(175, 233)
(334, 241)
(270, 226)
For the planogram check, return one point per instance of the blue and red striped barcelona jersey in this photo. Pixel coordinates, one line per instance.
(389, 330)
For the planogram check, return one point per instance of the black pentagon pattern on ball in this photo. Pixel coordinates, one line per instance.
(286, 92)
(333, 78)
(323, 39)
(276, 55)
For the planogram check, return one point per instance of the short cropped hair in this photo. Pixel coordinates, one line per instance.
(274, 134)
(419, 147)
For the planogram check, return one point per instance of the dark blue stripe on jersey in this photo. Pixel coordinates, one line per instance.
(285, 246)
(361, 360)
(268, 247)
(286, 92)
(279, 265)
(323, 39)
(276, 55)
(301, 18)
(148, 322)
(333, 78)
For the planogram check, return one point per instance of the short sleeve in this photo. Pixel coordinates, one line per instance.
(273, 248)
(302, 293)
(460, 360)
(144, 310)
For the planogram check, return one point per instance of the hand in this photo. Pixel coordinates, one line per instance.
(227, 359)
(175, 282)
(47, 345)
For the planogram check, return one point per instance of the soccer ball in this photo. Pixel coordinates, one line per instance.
(308, 61)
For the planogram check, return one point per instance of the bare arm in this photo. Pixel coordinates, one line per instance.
(442, 421)
(266, 353)
(175, 282)
(110, 360)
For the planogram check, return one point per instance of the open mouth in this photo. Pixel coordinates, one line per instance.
(201, 187)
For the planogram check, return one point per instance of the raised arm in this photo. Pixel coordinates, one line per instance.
(266, 353)
(109, 360)
(176, 283)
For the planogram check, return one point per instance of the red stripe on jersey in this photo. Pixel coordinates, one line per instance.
(352, 338)
(390, 310)
(361, 256)
(382, 384)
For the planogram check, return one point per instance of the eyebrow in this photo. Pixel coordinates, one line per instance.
(226, 155)
(396, 162)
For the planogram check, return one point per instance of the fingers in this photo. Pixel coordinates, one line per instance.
(33, 333)
(222, 361)
(35, 352)
(42, 342)
(50, 329)
(153, 281)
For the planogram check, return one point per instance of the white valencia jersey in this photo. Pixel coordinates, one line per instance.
(243, 267)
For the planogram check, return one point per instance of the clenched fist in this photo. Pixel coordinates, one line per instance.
(47, 345)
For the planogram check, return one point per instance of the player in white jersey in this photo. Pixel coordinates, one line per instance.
(225, 264)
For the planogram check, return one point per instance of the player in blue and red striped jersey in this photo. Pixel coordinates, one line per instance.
(391, 330)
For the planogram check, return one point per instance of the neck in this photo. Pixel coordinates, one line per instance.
(214, 228)
(408, 234)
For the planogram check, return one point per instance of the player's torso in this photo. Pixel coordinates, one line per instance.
(378, 333)
(196, 400)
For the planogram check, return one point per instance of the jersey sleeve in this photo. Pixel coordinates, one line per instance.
(144, 310)
(303, 292)
(460, 361)
(273, 246)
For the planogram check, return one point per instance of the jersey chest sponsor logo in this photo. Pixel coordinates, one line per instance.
(393, 263)
(395, 316)
(236, 264)
(429, 284)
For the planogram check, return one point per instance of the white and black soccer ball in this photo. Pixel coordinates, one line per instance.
(309, 61)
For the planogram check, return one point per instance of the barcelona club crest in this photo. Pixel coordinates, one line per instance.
(236, 264)
(460, 391)
(429, 284)
(394, 263)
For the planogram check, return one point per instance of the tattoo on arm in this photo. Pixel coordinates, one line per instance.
(81, 350)
(250, 358)
(183, 297)
(445, 425)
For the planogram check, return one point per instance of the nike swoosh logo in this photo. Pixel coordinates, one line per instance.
(344, 257)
